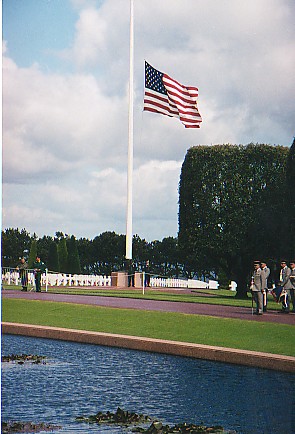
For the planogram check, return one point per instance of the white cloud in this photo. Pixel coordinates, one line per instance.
(155, 190)
(91, 38)
(57, 123)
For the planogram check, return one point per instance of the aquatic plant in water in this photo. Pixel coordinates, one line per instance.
(127, 418)
(26, 427)
(22, 358)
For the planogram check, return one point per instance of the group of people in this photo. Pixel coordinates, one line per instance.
(260, 282)
(283, 292)
(38, 267)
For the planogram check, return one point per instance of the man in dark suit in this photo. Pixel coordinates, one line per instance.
(147, 275)
(131, 272)
(39, 269)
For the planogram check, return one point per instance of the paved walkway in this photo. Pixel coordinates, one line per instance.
(244, 313)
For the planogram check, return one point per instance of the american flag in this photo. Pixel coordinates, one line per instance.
(167, 96)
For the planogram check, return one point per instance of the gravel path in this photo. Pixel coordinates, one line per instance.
(163, 306)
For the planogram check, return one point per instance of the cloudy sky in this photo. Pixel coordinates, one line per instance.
(65, 103)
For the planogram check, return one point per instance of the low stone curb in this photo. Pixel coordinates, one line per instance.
(207, 352)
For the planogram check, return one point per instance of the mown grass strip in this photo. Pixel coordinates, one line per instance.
(224, 332)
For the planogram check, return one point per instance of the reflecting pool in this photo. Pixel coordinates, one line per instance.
(81, 379)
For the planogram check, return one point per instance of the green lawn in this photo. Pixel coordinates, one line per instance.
(233, 333)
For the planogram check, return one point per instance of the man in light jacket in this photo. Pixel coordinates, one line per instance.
(22, 268)
(266, 271)
(257, 286)
(286, 285)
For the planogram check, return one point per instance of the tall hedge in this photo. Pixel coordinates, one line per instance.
(74, 266)
(233, 208)
(291, 194)
(53, 262)
(33, 253)
(62, 251)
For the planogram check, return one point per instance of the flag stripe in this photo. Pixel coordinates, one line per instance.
(183, 101)
(170, 83)
(167, 96)
(188, 114)
(176, 102)
(152, 99)
(162, 108)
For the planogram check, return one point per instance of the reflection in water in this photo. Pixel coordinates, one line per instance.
(83, 379)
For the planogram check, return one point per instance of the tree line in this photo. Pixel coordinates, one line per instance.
(101, 255)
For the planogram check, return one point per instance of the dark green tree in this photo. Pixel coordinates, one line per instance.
(165, 258)
(62, 251)
(85, 249)
(291, 201)
(231, 208)
(33, 253)
(74, 266)
(140, 251)
(291, 169)
(53, 262)
(155, 257)
(43, 246)
(108, 253)
(14, 245)
(59, 235)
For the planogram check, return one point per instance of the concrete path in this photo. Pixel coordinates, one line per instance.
(155, 305)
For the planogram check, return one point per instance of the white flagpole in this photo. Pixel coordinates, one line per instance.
(130, 144)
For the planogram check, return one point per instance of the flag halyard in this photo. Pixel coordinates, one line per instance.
(167, 96)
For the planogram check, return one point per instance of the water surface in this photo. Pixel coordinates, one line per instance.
(81, 379)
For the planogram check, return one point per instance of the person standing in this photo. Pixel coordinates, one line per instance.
(22, 268)
(286, 286)
(147, 275)
(266, 272)
(257, 286)
(39, 269)
(292, 280)
(131, 272)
